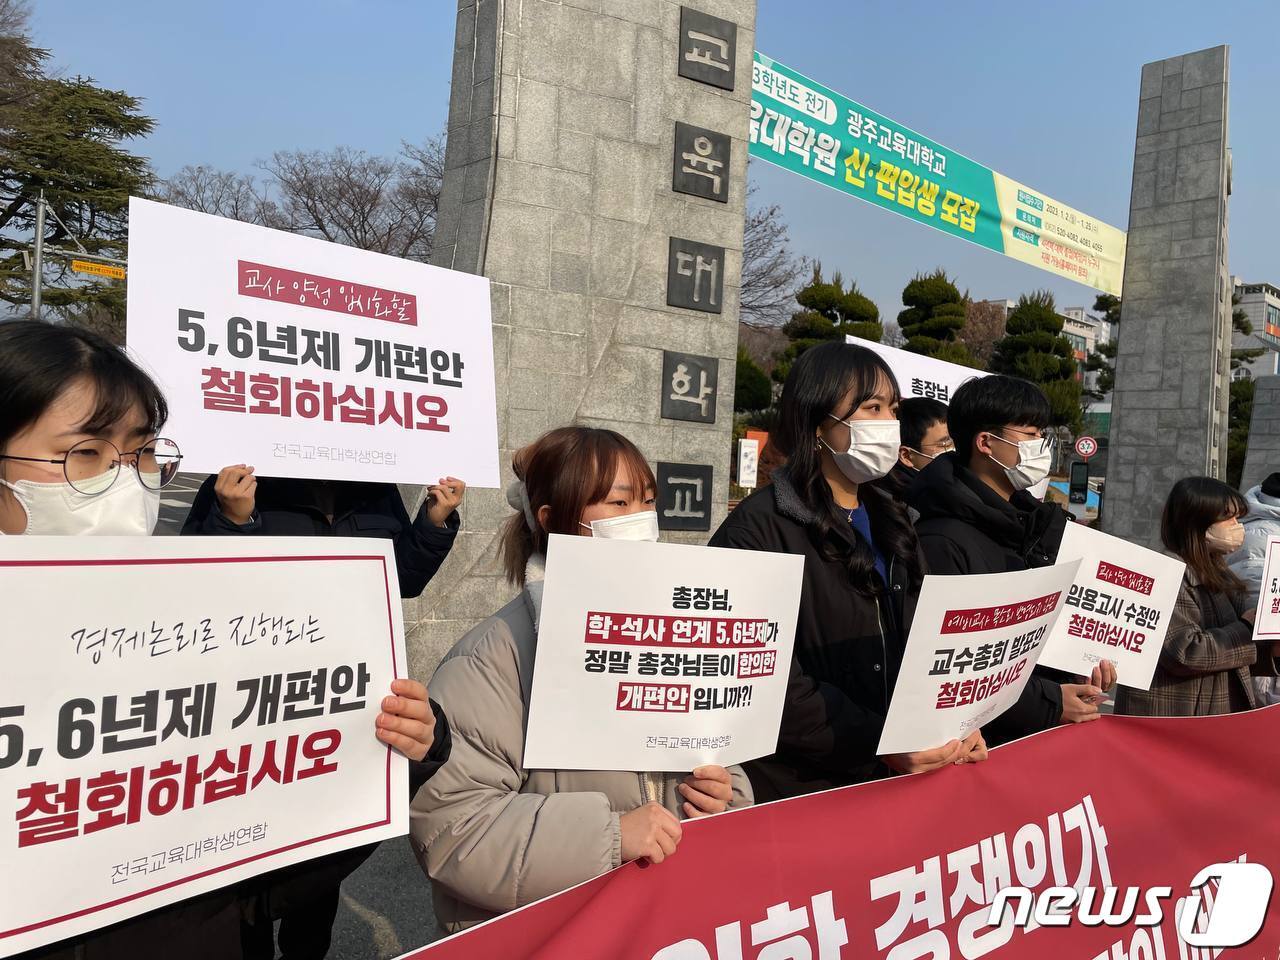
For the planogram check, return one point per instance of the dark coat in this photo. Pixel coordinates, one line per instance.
(1208, 660)
(290, 508)
(965, 527)
(848, 648)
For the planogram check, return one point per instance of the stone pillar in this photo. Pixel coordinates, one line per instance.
(1169, 409)
(562, 171)
(1263, 456)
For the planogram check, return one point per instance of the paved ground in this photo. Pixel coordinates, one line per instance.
(386, 904)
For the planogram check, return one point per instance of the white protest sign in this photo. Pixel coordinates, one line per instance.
(1267, 618)
(177, 715)
(660, 656)
(310, 359)
(748, 462)
(921, 376)
(973, 644)
(1118, 609)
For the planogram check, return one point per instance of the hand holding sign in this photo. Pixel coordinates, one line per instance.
(706, 791)
(443, 498)
(236, 489)
(407, 722)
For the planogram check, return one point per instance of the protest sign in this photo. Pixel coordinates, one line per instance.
(908, 867)
(918, 375)
(177, 715)
(1118, 609)
(973, 645)
(660, 656)
(310, 359)
(1267, 618)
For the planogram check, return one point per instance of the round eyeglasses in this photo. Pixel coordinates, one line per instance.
(92, 466)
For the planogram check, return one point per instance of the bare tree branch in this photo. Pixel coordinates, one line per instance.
(771, 273)
(385, 204)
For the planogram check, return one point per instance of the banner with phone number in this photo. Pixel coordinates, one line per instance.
(802, 126)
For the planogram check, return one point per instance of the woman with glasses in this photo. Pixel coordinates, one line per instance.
(839, 431)
(80, 456)
(977, 516)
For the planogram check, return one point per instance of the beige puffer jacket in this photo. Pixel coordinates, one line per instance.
(491, 835)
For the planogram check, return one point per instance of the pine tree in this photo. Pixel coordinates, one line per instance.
(751, 388)
(831, 312)
(1035, 349)
(934, 316)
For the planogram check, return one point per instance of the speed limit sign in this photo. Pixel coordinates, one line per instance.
(1086, 447)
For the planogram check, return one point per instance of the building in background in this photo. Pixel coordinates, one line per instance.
(1085, 332)
(1261, 303)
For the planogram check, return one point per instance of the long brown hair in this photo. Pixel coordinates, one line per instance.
(568, 469)
(1194, 505)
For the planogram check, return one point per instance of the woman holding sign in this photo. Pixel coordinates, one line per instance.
(492, 835)
(862, 574)
(1209, 656)
(79, 456)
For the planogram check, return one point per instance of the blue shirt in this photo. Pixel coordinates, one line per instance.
(860, 520)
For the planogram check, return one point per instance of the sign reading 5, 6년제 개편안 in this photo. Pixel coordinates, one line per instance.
(803, 127)
(179, 715)
(310, 359)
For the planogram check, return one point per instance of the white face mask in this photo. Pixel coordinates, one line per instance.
(126, 509)
(873, 449)
(1226, 536)
(630, 526)
(1035, 457)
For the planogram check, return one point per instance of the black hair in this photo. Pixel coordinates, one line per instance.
(817, 386)
(988, 404)
(1271, 485)
(38, 361)
(916, 415)
(1194, 505)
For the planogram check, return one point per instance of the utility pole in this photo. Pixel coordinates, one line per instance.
(37, 262)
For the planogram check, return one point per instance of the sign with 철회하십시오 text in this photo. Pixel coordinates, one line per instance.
(1267, 617)
(973, 644)
(178, 715)
(1118, 609)
(660, 656)
(801, 126)
(310, 359)
(918, 375)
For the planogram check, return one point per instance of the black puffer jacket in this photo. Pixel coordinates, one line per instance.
(291, 508)
(965, 527)
(848, 648)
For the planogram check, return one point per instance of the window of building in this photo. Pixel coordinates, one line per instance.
(1242, 373)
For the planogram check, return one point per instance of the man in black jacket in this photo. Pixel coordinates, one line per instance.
(975, 516)
(922, 422)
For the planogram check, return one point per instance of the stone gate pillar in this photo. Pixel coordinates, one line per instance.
(596, 173)
(1169, 409)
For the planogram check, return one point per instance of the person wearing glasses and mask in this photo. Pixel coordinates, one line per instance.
(923, 428)
(492, 835)
(976, 516)
(862, 574)
(80, 456)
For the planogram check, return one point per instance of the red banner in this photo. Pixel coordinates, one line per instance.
(906, 868)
